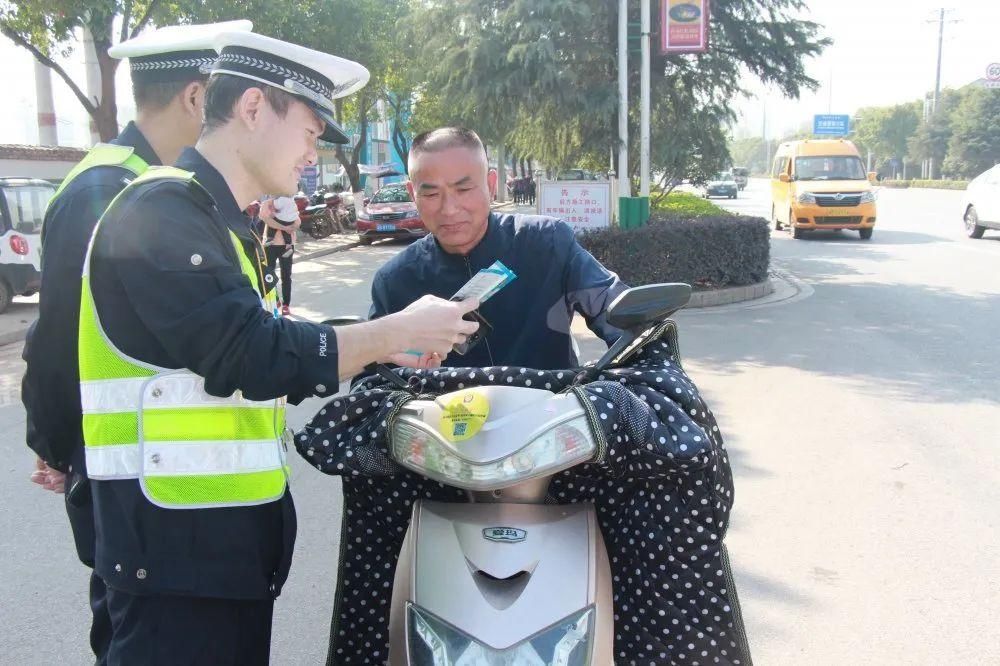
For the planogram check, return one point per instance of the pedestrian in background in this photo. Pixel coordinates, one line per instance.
(281, 220)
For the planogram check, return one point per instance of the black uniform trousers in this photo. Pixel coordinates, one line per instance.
(164, 630)
(80, 510)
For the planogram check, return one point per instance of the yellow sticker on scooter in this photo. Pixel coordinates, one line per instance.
(463, 415)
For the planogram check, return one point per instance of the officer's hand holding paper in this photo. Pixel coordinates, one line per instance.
(477, 290)
(433, 327)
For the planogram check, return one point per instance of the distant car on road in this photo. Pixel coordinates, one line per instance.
(722, 184)
(981, 210)
(390, 213)
(22, 207)
(742, 176)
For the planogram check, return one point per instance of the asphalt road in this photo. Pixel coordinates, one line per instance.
(860, 410)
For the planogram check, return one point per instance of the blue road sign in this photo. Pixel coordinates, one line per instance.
(310, 178)
(827, 125)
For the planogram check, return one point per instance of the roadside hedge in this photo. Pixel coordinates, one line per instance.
(927, 184)
(685, 204)
(705, 252)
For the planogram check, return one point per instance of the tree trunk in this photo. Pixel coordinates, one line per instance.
(105, 116)
(351, 164)
(501, 175)
(401, 144)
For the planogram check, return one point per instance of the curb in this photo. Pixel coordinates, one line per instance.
(331, 250)
(729, 295)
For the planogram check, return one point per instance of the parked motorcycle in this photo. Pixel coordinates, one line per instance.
(535, 586)
(343, 214)
(316, 218)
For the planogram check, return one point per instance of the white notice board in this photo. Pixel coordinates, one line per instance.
(582, 204)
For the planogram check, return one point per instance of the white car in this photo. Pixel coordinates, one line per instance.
(982, 203)
(22, 207)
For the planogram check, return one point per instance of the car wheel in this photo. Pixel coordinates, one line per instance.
(365, 240)
(866, 234)
(6, 296)
(774, 219)
(972, 227)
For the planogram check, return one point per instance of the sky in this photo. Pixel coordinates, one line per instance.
(884, 52)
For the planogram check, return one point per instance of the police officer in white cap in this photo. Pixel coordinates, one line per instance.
(169, 68)
(184, 366)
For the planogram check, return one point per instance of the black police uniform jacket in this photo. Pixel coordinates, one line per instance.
(169, 291)
(50, 389)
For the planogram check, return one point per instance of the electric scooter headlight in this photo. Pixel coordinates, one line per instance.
(420, 448)
(433, 642)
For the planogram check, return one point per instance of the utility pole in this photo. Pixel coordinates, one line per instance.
(93, 74)
(763, 134)
(624, 186)
(46, 107)
(937, 78)
(829, 102)
(644, 102)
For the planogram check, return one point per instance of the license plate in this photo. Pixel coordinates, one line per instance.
(838, 212)
(385, 227)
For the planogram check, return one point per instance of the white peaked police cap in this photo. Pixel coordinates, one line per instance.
(176, 52)
(314, 77)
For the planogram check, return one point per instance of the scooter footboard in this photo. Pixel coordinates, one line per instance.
(490, 581)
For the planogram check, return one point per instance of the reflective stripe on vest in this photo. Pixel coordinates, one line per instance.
(188, 449)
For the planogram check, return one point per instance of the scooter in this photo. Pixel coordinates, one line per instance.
(507, 579)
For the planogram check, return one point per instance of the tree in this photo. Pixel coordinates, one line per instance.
(974, 145)
(362, 30)
(930, 141)
(46, 27)
(541, 77)
(885, 131)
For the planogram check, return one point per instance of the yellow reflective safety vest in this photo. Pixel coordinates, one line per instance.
(104, 154)
(188, 449)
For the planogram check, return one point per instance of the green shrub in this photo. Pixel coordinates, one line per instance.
(705, 252)
(685, 204)
(927, 184)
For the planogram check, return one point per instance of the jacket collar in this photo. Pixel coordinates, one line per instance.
(492, 245)
(132, 136)
(213, 182)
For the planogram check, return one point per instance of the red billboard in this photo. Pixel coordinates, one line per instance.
(684, 26)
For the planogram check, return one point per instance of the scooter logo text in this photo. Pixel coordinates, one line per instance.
(505, 534)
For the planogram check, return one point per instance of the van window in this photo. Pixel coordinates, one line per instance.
(834, 167)
(27, 204)
(780, 166)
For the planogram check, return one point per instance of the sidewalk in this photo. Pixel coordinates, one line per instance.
(311, 249)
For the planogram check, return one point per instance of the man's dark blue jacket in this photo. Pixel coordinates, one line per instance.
(531, 316)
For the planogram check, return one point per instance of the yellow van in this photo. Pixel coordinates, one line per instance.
(821, 184)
